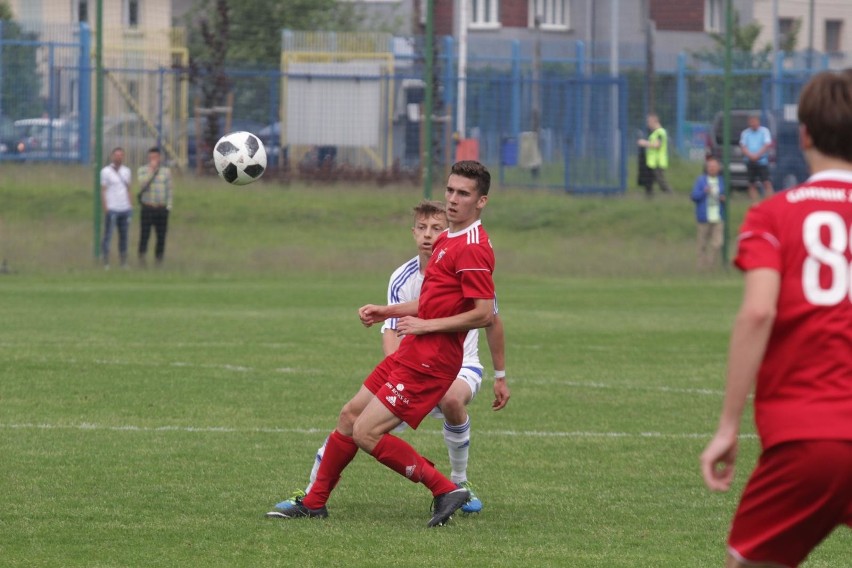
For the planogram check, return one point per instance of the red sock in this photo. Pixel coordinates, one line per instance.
(398, 455)
(339, 451)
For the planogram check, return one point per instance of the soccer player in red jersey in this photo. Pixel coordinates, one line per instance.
(457, 295)
(792, 342)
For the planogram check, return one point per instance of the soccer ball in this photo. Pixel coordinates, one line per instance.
(240, 158)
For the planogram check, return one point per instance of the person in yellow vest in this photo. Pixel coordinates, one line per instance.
(656, 155)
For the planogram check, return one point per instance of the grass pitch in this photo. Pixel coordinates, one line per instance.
(150, 418)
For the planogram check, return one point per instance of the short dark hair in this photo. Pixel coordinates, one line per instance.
(825, 109)
(471, 169)
(154, 149)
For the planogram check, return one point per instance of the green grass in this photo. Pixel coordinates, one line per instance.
(150, 418)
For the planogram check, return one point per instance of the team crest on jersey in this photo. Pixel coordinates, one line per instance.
(441, 255)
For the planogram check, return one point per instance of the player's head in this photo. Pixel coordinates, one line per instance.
(466, 193)
(825, 115)
(475, 171)
(430, 220)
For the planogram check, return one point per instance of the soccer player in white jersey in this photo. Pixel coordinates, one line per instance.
(404, 286)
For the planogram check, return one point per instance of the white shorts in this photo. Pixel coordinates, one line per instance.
(470, 375)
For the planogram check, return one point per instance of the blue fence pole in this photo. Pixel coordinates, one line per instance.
(680, 109)
(578, 141)
(778, 71)
(84, 90)
(515, 104)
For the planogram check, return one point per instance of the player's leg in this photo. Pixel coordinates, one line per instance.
(371, 434)
(290, 504)
(457, 428)
(796, 496)
(332, 458)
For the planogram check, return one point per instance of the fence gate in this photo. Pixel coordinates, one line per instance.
(574, 138)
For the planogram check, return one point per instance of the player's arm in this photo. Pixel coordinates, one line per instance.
(497, 346)
(748, 345)
(371, 313)
(482, 315)
(390, 341)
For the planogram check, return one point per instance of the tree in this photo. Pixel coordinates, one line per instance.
(20, 94)
(744, 51)
(246, 34)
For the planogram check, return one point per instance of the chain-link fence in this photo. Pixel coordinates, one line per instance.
(351, 106)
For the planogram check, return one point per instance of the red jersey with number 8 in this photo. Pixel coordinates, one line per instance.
(459, 271)
(804, 386)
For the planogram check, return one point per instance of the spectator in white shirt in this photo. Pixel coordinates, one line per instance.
(117, 205)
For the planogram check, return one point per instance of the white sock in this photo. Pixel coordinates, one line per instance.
(457, 439)
(315, 469)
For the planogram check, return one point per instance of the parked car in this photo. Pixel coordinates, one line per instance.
(739, 122)
(46, 138)
(791, 168)
(8, 138)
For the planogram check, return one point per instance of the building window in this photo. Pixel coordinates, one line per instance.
(714, 11)
(485, 13)
(833, 30)
(81, 11)
(788, 29)
(131, 13)
(550, 14)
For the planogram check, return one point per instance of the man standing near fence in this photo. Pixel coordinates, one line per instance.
(117, 206)
(155, 197)
(656, 155)
(755, 142)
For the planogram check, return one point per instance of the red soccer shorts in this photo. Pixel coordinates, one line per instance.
(410, 395)
(798, 494)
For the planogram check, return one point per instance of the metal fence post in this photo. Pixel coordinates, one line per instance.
(515, 105)
(450, 79)
(84, 90)
(680, 108)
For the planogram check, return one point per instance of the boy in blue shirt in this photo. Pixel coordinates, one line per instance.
(708, 193)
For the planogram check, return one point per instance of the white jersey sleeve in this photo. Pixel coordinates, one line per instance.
(404, 286)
